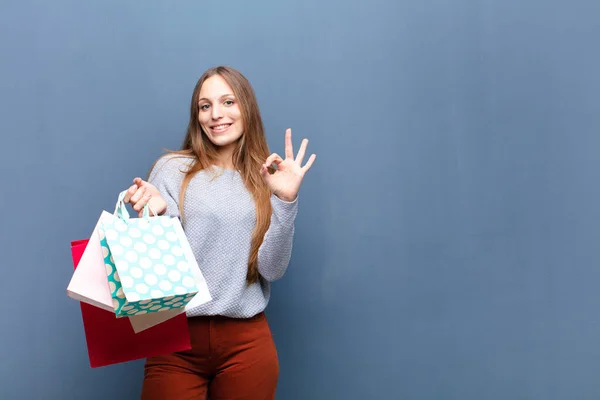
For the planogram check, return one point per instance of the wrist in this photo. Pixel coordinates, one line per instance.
(289, 199)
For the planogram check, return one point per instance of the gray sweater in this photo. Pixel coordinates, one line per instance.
(219, 216)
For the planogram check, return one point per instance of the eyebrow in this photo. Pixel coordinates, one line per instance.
(225, 95)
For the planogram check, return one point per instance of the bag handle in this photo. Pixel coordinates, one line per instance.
(121, 209)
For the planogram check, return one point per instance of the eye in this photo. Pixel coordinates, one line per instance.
(228, 102)
(204, 106)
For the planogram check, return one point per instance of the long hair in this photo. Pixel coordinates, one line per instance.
(249, 155)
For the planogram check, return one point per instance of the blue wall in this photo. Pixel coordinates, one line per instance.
(446, 243)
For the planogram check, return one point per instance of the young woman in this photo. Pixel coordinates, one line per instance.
(237, 204)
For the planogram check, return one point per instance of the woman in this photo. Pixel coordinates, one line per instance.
(238, 213)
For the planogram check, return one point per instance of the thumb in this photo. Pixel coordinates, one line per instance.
(139, 182)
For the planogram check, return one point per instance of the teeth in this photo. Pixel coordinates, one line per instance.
(219, 127)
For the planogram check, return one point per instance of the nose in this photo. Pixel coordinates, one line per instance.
(216, 112)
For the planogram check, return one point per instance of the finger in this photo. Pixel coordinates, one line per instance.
(273, 159)
(289, 148)
(153, 206)
(139, 193)
(301, 152)
(310, 162)
(145, 200)
(130, 192)
(139, 206)
(139, 182)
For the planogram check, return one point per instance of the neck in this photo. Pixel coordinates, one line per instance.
(225, 157)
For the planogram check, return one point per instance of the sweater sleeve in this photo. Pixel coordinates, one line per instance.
(167, 176)
(275, 252)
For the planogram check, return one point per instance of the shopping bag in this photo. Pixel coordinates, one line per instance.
(89, 283)
(112, 340)
(145, 321)
(146, 266)
(91, 287)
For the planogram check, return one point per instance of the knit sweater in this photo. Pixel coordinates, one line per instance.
(219, 216)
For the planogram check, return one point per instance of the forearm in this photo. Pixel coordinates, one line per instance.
(275, 252)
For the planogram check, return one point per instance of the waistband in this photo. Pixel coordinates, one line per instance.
(199, 318)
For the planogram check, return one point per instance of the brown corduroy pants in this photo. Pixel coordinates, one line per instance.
(230, 359)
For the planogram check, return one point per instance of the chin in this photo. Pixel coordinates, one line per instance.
(223, 141)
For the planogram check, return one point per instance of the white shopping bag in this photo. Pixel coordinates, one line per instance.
(89, 283)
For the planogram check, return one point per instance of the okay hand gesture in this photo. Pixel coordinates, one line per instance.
(286, 180)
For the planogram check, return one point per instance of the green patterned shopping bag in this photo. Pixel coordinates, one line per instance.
(146, 266)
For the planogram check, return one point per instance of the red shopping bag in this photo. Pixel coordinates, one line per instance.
(111, 340)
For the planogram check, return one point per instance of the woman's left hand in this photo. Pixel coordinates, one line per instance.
(286, 180)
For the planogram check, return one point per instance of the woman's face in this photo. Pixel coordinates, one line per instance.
(219, 113)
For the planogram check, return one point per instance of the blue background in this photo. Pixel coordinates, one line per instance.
(446, 241)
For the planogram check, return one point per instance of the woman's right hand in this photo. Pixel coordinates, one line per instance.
(142, 193)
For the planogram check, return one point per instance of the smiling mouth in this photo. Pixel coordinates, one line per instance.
(220, 128)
